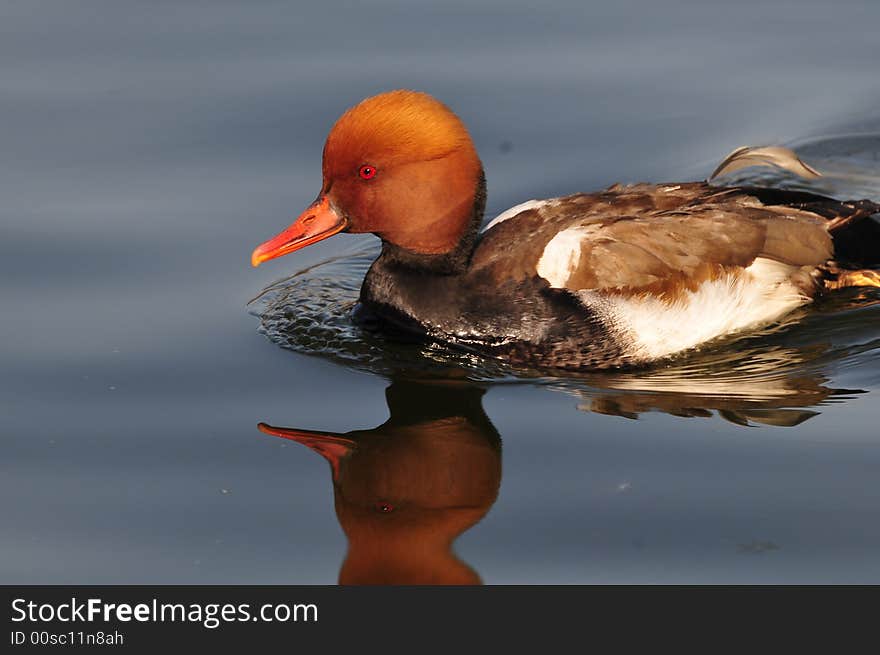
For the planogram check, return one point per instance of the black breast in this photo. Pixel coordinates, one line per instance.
(525, 323)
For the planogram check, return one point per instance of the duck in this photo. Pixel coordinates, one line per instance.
(406, 490)
(624, 277)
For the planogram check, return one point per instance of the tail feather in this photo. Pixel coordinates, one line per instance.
(778, 156)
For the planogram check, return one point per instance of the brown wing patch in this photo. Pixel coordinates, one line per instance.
(600, 264)
(798, 239)
(511, 249)
(637, 252)
(657, 239)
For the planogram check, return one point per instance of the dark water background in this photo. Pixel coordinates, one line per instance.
(145, 149)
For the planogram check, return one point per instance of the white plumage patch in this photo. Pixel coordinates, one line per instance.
(518, 209)
(743, 299)
(562, 255)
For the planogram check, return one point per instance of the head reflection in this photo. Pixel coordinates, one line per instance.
(404, 491)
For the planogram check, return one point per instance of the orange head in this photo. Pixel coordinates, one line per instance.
(400, 165)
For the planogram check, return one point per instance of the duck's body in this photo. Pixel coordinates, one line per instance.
(622, 277)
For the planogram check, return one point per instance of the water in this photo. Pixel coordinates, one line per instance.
(147, 149)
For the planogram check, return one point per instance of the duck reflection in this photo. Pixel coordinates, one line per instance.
(780, 387)
(404, 491)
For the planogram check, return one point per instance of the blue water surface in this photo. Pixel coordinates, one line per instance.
(147, 148)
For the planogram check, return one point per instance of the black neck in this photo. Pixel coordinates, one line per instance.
(412, 403)
(447, 263)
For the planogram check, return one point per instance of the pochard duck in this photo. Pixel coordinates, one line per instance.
(622, 277)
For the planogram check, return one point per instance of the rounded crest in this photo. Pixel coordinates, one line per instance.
(391, 129)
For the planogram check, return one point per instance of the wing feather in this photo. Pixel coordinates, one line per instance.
(641, 236)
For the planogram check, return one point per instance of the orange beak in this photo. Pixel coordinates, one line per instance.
(329, 445)
(318, 222)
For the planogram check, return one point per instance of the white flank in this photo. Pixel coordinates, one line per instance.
(518, 209)
(759, 295)
(561, 256)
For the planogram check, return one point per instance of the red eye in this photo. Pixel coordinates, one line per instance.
(367, 172)
(384, 508)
